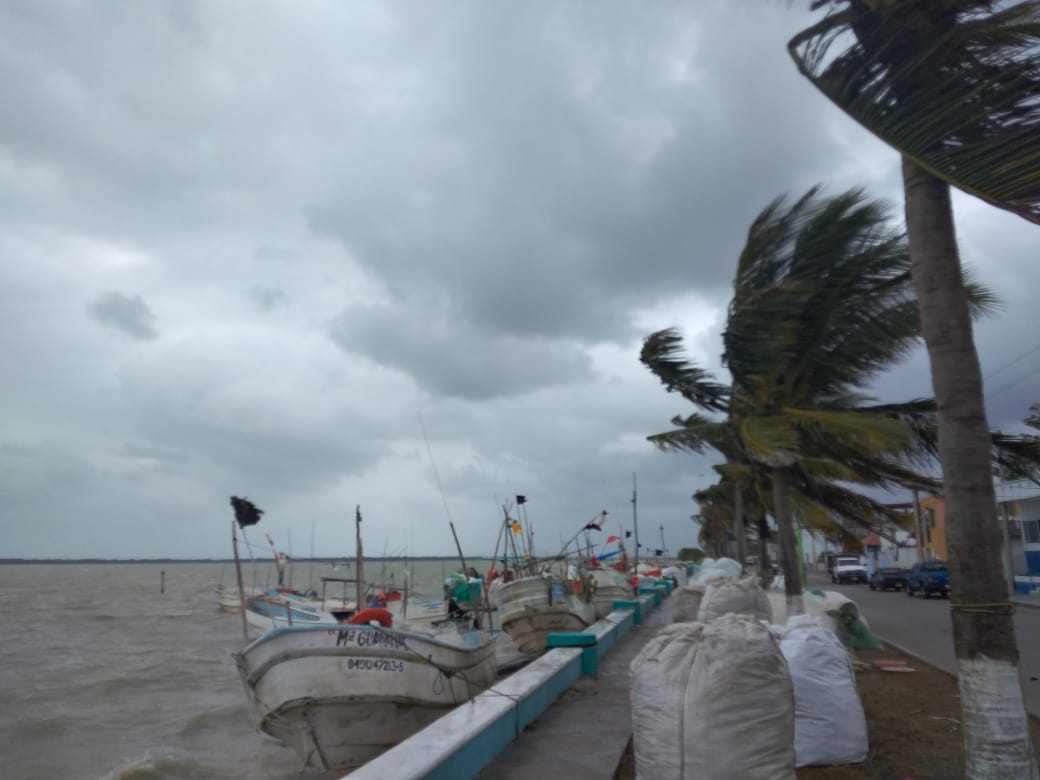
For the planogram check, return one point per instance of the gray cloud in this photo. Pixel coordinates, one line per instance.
(127, 314)
(450, 357)
(268, 298)
(472, 210)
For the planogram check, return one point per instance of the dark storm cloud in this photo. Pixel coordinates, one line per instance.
(127, 314)
(268, 298)
(450, 357)
(562, 180)
(476, 208)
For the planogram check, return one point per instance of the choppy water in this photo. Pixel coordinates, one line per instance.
(103, 676)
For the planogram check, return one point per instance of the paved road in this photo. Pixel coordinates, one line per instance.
(923, 627)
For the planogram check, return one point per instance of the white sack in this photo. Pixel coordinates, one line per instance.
(741, 597)
(829, 727)
(713, 702)
(727, 566)
(675, 571)
(778, 603)
(686, 603)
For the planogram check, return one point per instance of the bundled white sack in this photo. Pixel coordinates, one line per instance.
(713, 702)
(741, 597)
(675, 571)
(686, 603)
(727, 566)
(778, 603)
(829, 725)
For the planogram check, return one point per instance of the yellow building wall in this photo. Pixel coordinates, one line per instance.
(933, 519)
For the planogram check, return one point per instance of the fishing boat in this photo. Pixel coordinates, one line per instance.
(341, 693)
(534, 599)
(339, 696)
(530, 608)
(607, 585)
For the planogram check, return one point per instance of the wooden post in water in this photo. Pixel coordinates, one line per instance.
(238, 576)
(162, 581)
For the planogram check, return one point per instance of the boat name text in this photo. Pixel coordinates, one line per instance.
(352, 636)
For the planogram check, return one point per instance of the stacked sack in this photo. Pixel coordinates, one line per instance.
(742, 597)
(718, 589)
(829, 727)
(713, 702)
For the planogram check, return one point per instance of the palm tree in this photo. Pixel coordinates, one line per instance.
(822, 303)
(954, 87)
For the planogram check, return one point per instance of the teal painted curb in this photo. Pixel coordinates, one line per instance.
(635, 606)
(468, 738)
(587, 643)
(653, 591)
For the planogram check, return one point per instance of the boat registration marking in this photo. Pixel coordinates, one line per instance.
(373, 665)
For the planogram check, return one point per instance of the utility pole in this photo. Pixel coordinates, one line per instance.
(635, 521)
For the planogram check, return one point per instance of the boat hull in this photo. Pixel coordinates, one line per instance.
(608, 586)
(533, 607)
(341, 696)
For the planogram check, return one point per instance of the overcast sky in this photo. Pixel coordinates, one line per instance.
(244, 246)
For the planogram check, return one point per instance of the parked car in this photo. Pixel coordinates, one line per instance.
(928, 577)
(888, 577)
(848, 568)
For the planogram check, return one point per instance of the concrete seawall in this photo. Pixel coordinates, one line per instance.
(492, 727)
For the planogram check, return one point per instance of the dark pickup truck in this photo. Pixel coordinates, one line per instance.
(928, 577)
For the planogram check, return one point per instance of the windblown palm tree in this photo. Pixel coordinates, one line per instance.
(954, 87)
(821, 304)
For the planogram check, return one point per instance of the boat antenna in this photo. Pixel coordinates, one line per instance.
(635, 522)
(447, 509)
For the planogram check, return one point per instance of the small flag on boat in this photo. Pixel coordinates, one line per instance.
(596, 524)
(628, 534)
(246, 512)
(613, 539)
(521, 499)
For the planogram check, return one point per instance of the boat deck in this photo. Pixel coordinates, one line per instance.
(584, 733)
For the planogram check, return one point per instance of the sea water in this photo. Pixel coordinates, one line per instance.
(104, 676)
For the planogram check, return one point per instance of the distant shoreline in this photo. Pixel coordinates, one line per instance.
(343, 561)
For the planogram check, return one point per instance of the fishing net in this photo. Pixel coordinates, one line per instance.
(846, 620)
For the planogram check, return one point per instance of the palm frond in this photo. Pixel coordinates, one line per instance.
(660, 354)
(956, 92)
(697, 434)
(1016, 456)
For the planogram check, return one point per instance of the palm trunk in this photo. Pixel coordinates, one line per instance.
(738, 523)
(996, 728)
(788, 547)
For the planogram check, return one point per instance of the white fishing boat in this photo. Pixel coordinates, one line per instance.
(276, 609)
(531, 608)
(339, 696)
(606, 586)
(230, 600)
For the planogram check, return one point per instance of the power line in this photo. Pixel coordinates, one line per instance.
(1013, 382)
(1019, 359)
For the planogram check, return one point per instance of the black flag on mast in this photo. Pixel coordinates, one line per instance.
(246, 512)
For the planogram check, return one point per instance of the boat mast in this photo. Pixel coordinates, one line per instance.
(359, 558)
(238, 574)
